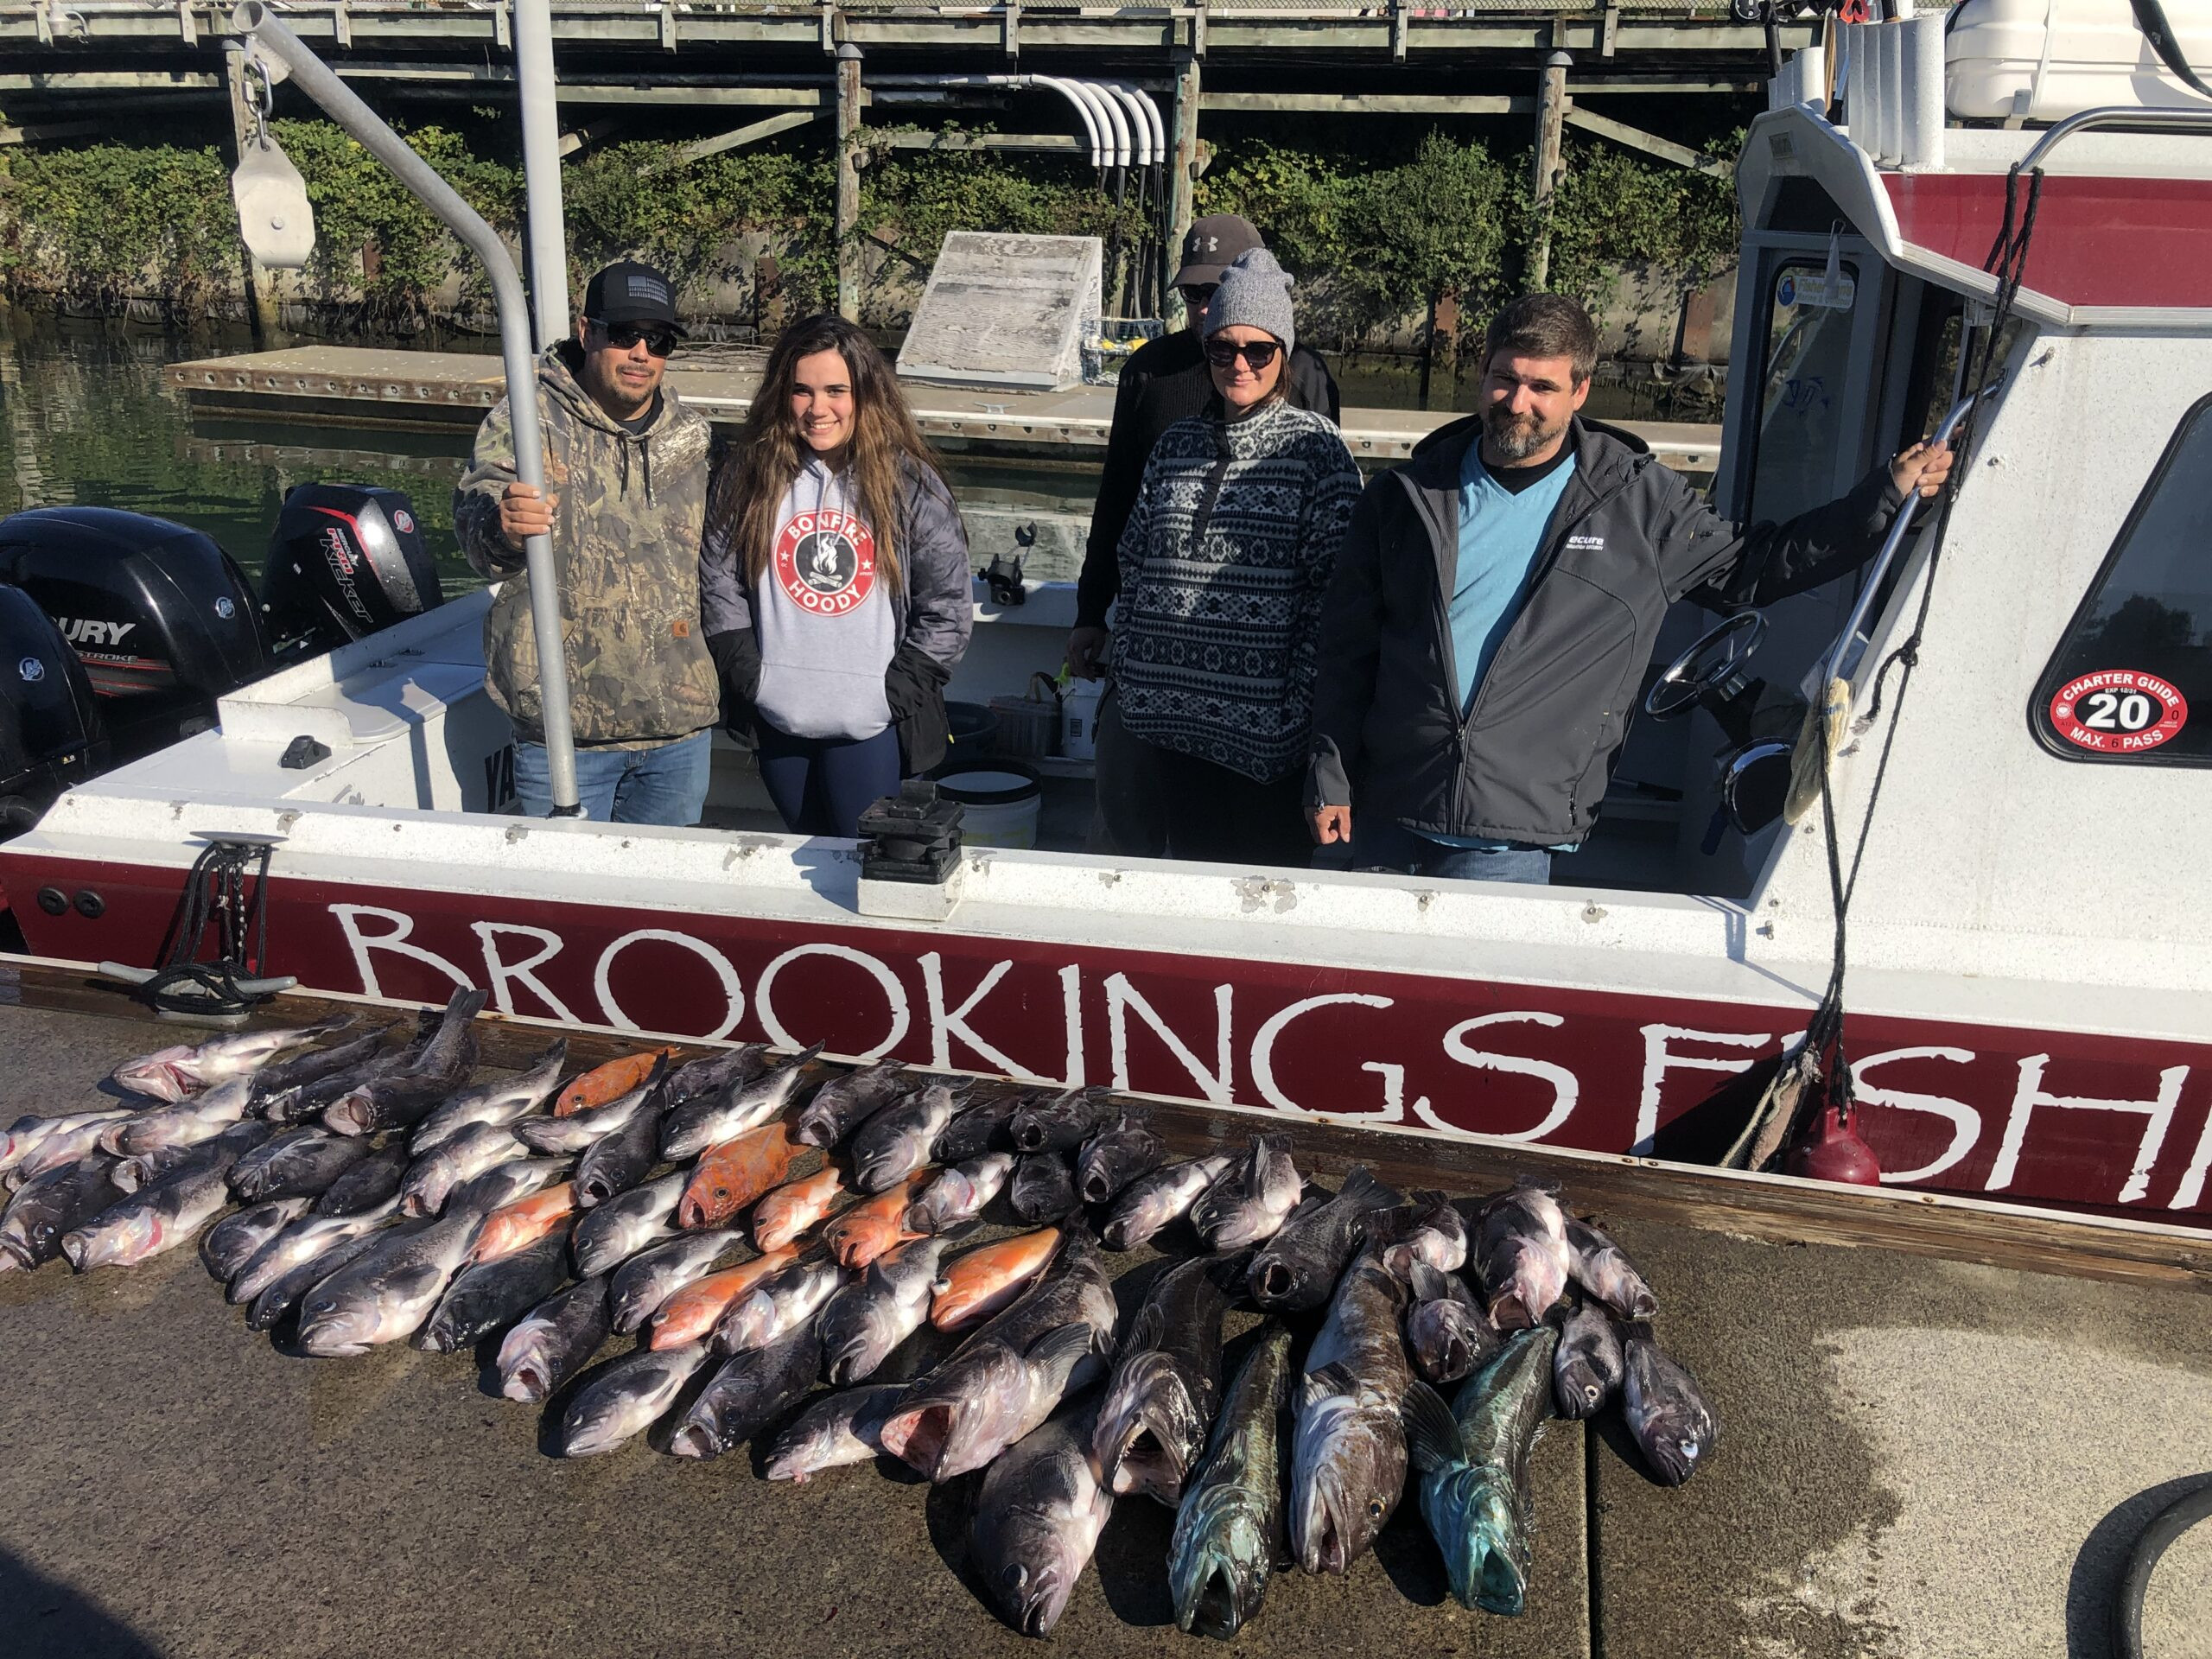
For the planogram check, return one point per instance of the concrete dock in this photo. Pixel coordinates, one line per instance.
(1918, 1456)
(361, 385)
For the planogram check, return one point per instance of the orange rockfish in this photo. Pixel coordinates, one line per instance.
(732, 1175)
(977, 1285)
(606, 1083)
(867, 1229)
(794, 1207)
(694, 1311)
(517, 1226)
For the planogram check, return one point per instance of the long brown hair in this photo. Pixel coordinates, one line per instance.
(771, 449)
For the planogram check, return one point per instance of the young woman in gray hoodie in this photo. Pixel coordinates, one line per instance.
(833, 582)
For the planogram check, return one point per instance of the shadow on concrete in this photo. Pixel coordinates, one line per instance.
(2101, 1559)
(44, 1618)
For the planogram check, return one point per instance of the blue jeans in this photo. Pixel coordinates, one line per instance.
(821, 785)
(1391, 846)
(666, 783)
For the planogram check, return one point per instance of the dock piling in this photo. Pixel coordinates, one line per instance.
(1551, 115)
(1182, 181)
(848, 182)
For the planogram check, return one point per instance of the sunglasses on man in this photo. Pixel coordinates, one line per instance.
(625, 336)
(1222, 354)
(1199, 295)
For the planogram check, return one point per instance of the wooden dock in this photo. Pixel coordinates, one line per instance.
(360, 387)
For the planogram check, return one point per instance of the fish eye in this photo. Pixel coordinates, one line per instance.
(1374, 1507)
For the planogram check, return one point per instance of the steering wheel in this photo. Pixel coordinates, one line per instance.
(1714, 665)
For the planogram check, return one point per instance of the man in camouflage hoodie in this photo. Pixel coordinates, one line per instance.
(625, 496)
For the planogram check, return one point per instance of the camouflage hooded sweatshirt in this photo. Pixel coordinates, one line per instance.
(625, 555)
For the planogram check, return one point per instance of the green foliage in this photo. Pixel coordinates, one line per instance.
(636, 200)
(1374, 238)
(371, 237)
(1375, 243)
(82, 227)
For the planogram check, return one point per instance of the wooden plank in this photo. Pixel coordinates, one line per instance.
(1650, 143)
(745, 134)
(1774, 1208)
(1361, 104)
(1052, 141)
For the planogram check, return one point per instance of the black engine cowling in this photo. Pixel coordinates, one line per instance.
(345, 561)
(50, 729)
(161, 619)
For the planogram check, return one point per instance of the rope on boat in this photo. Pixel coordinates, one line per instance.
(1817, 1075)
(216, 894)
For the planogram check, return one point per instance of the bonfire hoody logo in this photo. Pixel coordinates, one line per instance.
(825, 562)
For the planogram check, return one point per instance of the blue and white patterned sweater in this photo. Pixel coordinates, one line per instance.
(1224, 563)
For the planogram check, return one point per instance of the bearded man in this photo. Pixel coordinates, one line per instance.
(1498, 598)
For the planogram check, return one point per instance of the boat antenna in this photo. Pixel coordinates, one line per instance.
(1813, 1082)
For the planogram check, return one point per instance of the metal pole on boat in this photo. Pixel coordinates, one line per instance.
(540, 170)
(253, 20)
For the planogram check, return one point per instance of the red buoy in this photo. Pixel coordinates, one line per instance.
(1831, 1151)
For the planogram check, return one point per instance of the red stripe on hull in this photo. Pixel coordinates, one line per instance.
(2041, 1116)
(2098, 241)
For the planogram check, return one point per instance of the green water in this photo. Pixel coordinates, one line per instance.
(86, 420)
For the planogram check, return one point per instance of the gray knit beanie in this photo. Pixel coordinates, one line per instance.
(1255, 292)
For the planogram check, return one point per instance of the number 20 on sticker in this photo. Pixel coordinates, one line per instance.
(2117, 711)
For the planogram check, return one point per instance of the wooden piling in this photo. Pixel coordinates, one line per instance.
(848, 182)
(1551, 114)
(1182, 182)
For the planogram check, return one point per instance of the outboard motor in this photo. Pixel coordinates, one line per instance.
(345, 561)
(163, 620)
(50, 733)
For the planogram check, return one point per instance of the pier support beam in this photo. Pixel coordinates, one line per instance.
(260, 286)
(1182, 182)
(1551, 113)
(540, 170)
(848, 182)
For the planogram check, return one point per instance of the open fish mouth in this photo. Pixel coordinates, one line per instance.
(529, 1381)
(693, 1441)
(917, 1437)
(1220, 1603)
(1495, 1581)
(1273, 1281)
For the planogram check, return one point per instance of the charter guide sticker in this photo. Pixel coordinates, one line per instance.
(2118, 711)
(1797, 286)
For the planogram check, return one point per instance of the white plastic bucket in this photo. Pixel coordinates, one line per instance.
(999, 802)
(1079, 719)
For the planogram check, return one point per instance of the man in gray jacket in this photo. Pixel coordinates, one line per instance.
(625, 496)
(1497, 597)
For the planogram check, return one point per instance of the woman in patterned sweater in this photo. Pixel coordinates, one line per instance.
(1201, 744)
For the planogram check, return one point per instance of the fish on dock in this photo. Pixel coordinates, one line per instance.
(986, 1127)
(1296, 1270)
(791, 1208)
(896, 1142)
(863, 1324)
(1252, 1199)
(1427, 1228)
(1115, 1155)
(1043, 1187)
(1587, 1366)
(1603, 1268)
(1229, 1526)
(754, 1388)
(366, 1183)
(483, 1297)
(1473, 1460)
(620, 1159)
(712, 1072)
(710, 1119)
(979, 1282)
(857, 1235)
(553, 1341)
(959, 1194)
(839, 1429)
(462, 1156)
(299, 1162)
(50, 1204)
(403, 1097)
(781, 1302)
(612, 1232)
(1151, 1202)
(386, 1294)
(487, 1105)
(625, 1397)
(1061, 1123)
(692, 1312)
(734, 1174)
(1450, 1335)
(300, 1243)
(1348, 1450)
(624, 1075)
(1521, 1255)
(643, 1284)
(1160, 1403)
(1665, 1411)
(519, 1225)
(582, 1131)
(156, 1219)
(844, 1103)
(185, 1069)
(239, 1237)
(1037, 1516)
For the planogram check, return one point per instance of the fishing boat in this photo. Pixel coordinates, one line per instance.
(2009, 811)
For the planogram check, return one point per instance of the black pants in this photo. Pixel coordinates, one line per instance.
(1154, 802)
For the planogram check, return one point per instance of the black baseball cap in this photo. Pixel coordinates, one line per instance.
(629, 292)
(1212, 245)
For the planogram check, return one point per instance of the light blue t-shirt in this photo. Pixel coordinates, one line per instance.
(1501, 539)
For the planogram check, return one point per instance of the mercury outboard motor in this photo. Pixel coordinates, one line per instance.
(345, 561)
(50, 733)
(163, 621)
